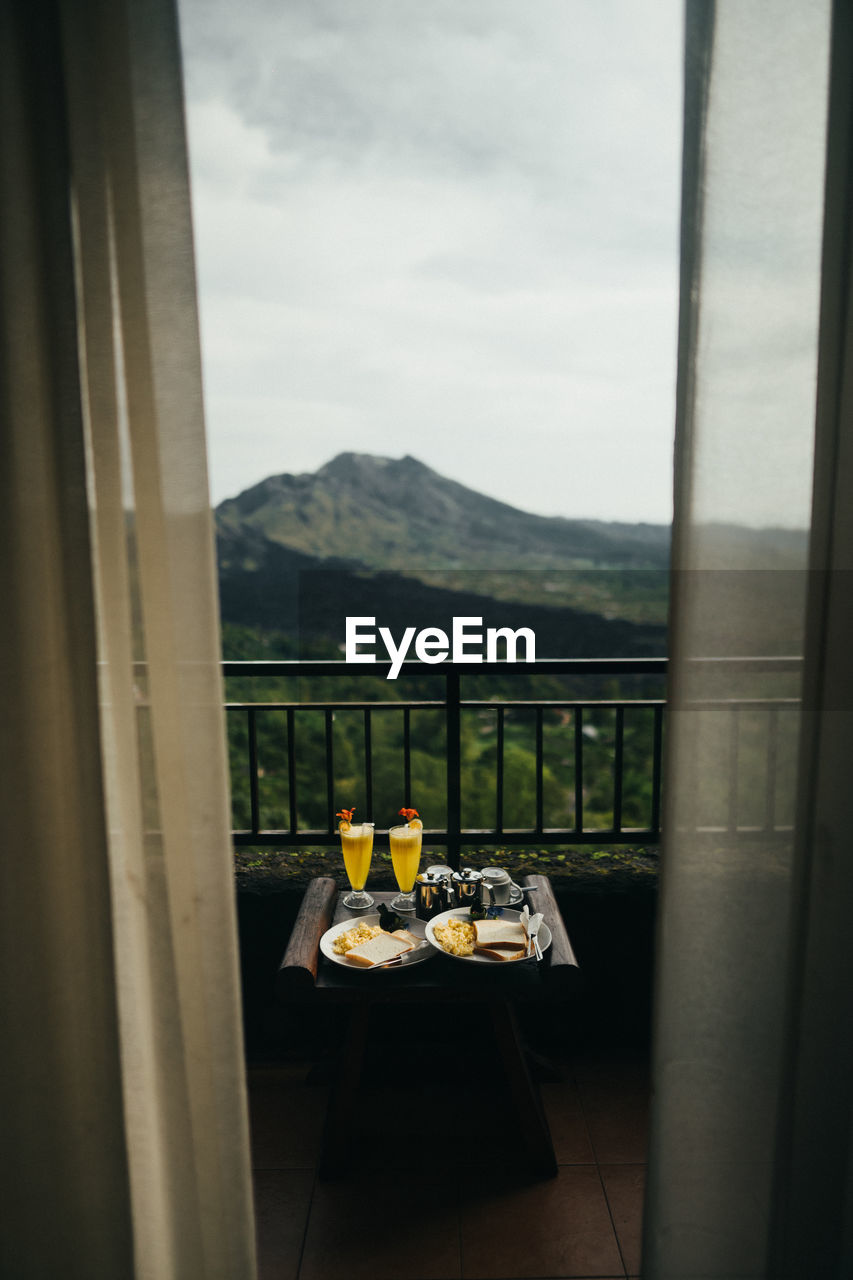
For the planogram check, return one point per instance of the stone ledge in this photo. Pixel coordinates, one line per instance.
(609, 869)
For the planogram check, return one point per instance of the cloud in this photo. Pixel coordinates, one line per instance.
(443, 229)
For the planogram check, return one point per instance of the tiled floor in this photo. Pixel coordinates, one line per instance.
(458, 1206)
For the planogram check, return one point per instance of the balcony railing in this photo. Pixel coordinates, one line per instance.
(579, 716)
(755, 800)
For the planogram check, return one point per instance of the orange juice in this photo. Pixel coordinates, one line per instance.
(405, 855)
(357, 846)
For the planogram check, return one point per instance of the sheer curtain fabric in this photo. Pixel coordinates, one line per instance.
(750, 1152)
(124, 1122)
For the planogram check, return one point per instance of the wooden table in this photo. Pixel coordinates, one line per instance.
(307, 976)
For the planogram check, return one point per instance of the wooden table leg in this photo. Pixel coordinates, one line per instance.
(341, 1108)
(525, 1095)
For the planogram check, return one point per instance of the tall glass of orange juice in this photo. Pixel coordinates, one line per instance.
(405, 844)
(357, 848)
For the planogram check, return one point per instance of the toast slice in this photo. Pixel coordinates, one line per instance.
(500, 935)
(492, 953)
(383, 947)
(409, 938)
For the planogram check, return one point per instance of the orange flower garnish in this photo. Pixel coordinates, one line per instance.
(408, 814)
(346, 814)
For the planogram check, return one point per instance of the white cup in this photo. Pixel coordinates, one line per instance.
(497, 886)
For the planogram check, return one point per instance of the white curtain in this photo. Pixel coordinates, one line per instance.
(751, 1153)
(124, 1134)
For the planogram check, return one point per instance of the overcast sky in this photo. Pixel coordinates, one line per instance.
(446, 228)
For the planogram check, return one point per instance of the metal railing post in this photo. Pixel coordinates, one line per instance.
(454, 771)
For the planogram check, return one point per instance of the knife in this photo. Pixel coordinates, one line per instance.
(525, 922)
(535, 922)
(385, 964)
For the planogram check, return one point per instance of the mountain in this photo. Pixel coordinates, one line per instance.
(411, 547)
(399, 514)
(416, 549)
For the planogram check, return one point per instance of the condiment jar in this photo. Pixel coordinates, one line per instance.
(466, 886)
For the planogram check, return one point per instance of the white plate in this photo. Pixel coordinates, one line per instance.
(416, 927)
(462, 913)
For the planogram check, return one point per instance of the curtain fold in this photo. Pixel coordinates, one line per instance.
(64, 1167)
(744, 1007)
(129, 1131)
(812, 1221)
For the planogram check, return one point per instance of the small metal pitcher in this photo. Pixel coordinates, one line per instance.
(431, 895)
(466, 887)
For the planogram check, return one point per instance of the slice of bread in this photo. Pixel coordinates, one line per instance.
(492, 953)
(500, 935)
(383, 947)
(404, 936)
